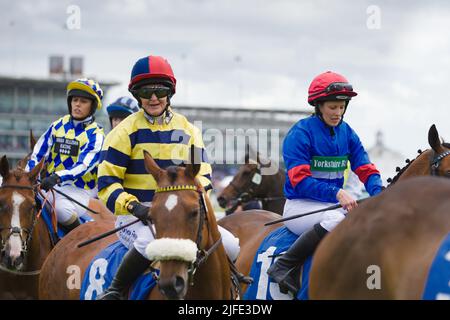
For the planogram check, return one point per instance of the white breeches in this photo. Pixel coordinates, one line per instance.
(66, 210)
(327, 219)
(139, 236)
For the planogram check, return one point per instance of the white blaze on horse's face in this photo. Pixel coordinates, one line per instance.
(171, 202)
(15, 241)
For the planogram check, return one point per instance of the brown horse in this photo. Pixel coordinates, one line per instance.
(393, 236)
(182, 218)
(25, 241)
(434, 161)
(249, 184)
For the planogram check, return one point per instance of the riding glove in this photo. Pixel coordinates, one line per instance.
(50, 181)
(139, 211)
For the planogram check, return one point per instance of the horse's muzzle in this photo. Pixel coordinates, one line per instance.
(174, 288)
(222, 201)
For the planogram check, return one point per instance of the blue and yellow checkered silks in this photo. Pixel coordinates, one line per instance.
(72, 151)
(122, 176)
(90, 86)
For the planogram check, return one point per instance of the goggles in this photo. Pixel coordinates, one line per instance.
(147, 93)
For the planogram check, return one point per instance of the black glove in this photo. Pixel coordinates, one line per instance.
(49, 182)
(139, 211)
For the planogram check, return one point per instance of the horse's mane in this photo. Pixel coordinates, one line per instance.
(402, 170)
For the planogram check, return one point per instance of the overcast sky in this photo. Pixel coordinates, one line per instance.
(251, 53)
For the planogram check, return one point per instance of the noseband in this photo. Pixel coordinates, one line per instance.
(201, 254)
(17, 230)
(247, 192)
(435, 161)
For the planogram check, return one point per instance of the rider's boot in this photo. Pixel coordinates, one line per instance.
(72, 225)
(285, 270)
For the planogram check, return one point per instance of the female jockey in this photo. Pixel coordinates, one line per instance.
(71, 148)
(120, 109)
(124, 184)
(316, 151)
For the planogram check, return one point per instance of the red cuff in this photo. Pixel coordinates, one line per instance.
(298, 173)
(365, 171)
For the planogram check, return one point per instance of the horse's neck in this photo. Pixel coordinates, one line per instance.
(274, 190)
(419, 167)
(214, 278)
(39, 247)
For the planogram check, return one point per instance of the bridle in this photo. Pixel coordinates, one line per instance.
(202, 254)
(246, 193)
(435, 161)
(19, 231)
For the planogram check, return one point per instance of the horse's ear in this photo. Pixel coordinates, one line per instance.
(250, 156)
(193, 167)
(151, 166)
(263, 162)
(247, 153)
(433, 139)
(33, 174)
(32, 140)
(4, 168)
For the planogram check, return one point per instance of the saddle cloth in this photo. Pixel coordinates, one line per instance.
(262, 288)
(438, 283)
(102, 269)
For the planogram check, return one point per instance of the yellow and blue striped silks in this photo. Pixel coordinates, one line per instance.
(122, 174)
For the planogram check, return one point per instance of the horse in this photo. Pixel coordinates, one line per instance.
(25, 241)
(249, 184)
(183, 220)
(434, 161)
(394, 236)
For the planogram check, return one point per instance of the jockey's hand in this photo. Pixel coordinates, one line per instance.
(346, 200)
(50, 181)
(139, 211)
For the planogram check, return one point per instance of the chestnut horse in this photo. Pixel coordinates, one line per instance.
(434, 161)
(25, 240)
(249, 184)
(395, 235)
(183, 219)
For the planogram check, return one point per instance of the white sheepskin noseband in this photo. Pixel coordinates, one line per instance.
(172, 249)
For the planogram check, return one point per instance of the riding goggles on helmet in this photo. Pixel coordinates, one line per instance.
(335, 87)
(159, 92)
(339, 86)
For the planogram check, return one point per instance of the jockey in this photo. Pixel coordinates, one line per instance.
(125, 186)
(71, 148)
(316, 151)
(120, 109)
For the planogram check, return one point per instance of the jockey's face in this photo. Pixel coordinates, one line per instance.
(154, 106)
(332, 112)
(81, 107)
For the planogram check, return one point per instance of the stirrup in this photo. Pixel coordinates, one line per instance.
(110, 295)
(243, 278)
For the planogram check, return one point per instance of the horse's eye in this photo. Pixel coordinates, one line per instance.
(194, 213)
